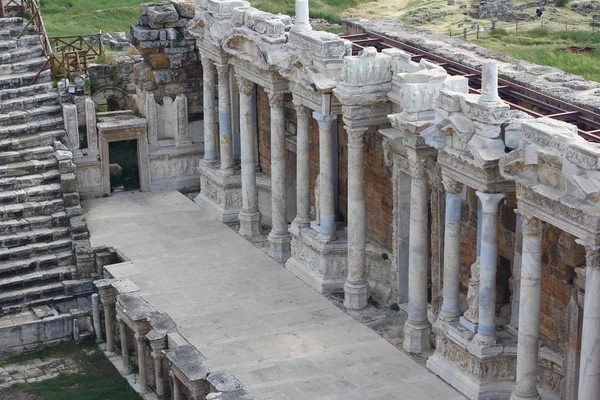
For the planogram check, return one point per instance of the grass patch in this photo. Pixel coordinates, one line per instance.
(98, 379)
(543, 46)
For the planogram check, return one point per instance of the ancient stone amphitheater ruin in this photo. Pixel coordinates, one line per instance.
(388, 165)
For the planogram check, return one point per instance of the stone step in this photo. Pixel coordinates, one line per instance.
(32, 64)
(34, 140)
(30, 294)
(16, 225)
(27, 91)
(15, 42)
(29, 167)
(10, 31)
(48, 124)
(30, 209)
(35, 263)
(25, 181)
(16, 80)
(21, 54)
(29, 279)
(30, 153)
(41, 235)
(11, 22)
(30, 116)
(36, 249)
(8, 45)
(33, 193)
(29, 102)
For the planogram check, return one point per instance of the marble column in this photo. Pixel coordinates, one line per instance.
(225, 120)
(109, 305)
(209, 102)
(486, 331)
(302, 219)
(249, 215)
(140, 341)
(158, 369)
(279, 237)
(489, 82)
(90, 122)
(513, 325)
(450, 306)
(124, 348)
(302, 17)
(96, 317)
(327, 230)
(176, 388)
(418, 328)
(529, 313)
(589, 367)
(356, 287)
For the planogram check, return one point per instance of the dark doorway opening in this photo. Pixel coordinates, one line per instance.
(124, 170)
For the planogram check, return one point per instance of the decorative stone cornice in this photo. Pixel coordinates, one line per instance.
(245, 86)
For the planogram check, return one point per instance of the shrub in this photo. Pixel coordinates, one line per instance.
(561, 3)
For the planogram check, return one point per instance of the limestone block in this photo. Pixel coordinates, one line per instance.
(368, 68)
(448, 101)
(223, 381)
(485, 150)
(223, 9)
(57, 327)
(496, 113)
(162, 15)
(145, 6)
(486, 130)
(584, 154)
(551, 134)
(185, 8)
(32, 332)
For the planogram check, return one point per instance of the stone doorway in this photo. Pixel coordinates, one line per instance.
(123, 165)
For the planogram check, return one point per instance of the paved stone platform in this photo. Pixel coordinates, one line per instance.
(248, 314)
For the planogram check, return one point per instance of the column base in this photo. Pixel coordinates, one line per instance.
(220, 195)
(444, 318)
(126, 371)
(471, 326)
(356, 295)
(322, 266)
(299, 223)
(484, 340)
(517, 396)
(280, 246)
(249, 224)
(417, 336)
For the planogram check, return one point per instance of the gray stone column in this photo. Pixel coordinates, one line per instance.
(176, 388)
(279, 237)
(182, 137)
(450, 306)
(71, 125)
(124, 348)
(529, 313)
(96, 317)
(516, 278)
(225, 120)
(356, 287)
(302, 219)
(326, 185)
(589, 368)
(141, 356)
(158, 369)
(109, 305)
(90, 123)
(418, 328)
(486, 331)
(152, 120)
(210, 104)
(249, 215)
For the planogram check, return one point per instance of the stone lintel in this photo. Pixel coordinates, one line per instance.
(366, 115)
(321, 44)
(483, 179)
(266, 78)
(212, 51)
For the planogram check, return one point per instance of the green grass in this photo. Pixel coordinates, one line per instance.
(98, 379)
(542, 46)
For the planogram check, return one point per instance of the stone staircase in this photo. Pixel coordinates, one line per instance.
(44, 242)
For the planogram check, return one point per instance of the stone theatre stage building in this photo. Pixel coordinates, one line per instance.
(382, 178)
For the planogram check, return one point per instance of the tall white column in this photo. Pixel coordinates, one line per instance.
(302, 219)
(176, 387)
(109, 305)
(529, 313)
(516, 277)
(450, 306)
(279, 237)
(90, 122)
(158, 370)
(486, 333)
(225, 120)
(124, 348)
(589, 369)
(302, 16)
(249, 215)
(210, 104)
(141, 356)
(96, 317)
(356, 287)
(326, 186)
(152, 120)
(489, 82)
(418, 328)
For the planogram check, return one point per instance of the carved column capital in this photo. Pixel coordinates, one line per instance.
(245, 86)
(451, 185)
(222, 71)
(275, 98)
(301, 110)
(417, 168)
(207, 63)
(531, 226)
(592, 256)
(324, 120)
(140, 339)
(355, 136)
(489, 201)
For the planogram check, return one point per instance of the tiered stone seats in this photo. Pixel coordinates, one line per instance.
(36, 247)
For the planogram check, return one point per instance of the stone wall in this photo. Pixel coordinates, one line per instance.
(501, 9)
